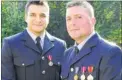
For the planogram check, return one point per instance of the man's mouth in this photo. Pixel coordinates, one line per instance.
(74, 29)
(38, 24)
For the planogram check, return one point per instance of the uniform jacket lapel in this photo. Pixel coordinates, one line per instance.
(28, 42)
(87, 48)
(48, 43)
(65, 63)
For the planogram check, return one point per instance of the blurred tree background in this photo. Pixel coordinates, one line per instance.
(108, 15)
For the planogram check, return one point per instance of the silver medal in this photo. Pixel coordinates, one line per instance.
(50, 63)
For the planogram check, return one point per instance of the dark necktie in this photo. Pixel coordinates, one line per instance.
(75, 52)
(38, 44)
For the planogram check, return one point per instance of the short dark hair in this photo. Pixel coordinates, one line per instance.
(36, 2)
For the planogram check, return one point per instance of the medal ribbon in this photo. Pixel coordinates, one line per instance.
(90, 69)
(50, 57)
(83, 69)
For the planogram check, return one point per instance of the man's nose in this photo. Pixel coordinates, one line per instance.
(38, 19)
(73, 22)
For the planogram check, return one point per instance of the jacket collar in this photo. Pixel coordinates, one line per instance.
(48, 42)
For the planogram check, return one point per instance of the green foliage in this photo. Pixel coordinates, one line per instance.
(57, 25)
(108, 17)
(12, 17)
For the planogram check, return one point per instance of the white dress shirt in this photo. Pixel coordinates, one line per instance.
(80, 46)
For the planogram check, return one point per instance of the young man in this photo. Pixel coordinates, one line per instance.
(92, 57)
(33, 54)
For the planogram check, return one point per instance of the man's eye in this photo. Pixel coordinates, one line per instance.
(42, 15)
(68, 19)
(79, 17)
(32, 15)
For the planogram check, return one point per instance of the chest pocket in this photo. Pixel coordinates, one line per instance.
(23, 63)
(57, 65)
(24, 69)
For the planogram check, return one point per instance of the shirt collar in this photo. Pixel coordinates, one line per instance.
(33, 36)
(83, 43)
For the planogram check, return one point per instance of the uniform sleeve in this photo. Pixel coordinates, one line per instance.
(111, 65)
(7, 69)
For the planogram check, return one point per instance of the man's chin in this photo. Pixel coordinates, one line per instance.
(74, 37)
(39, 31)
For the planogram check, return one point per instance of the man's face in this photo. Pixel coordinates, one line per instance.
(79, 23)
(37, 18)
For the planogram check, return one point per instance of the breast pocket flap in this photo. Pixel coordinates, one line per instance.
(20, 62)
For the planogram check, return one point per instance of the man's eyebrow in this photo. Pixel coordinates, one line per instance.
(78, 15)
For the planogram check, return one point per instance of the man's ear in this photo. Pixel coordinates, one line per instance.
(93, 20)
(48, 19)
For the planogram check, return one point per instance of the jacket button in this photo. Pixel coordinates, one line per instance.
(58, 63)
(43, 72)
(23, 64)
(43, 58)
(61, 77)
(71, 69)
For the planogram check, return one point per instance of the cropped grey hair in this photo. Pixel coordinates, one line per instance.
(83, 4)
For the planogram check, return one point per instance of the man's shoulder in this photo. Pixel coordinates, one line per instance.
(68, 50)
(54, 38)
(58, 39)
(108, 44)
(14, 37)
(108, 47)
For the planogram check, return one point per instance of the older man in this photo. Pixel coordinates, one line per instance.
(92, 57)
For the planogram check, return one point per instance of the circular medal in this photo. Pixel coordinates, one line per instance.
(82, 77)
(90, 77)
(50, 63)
(76, 77)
